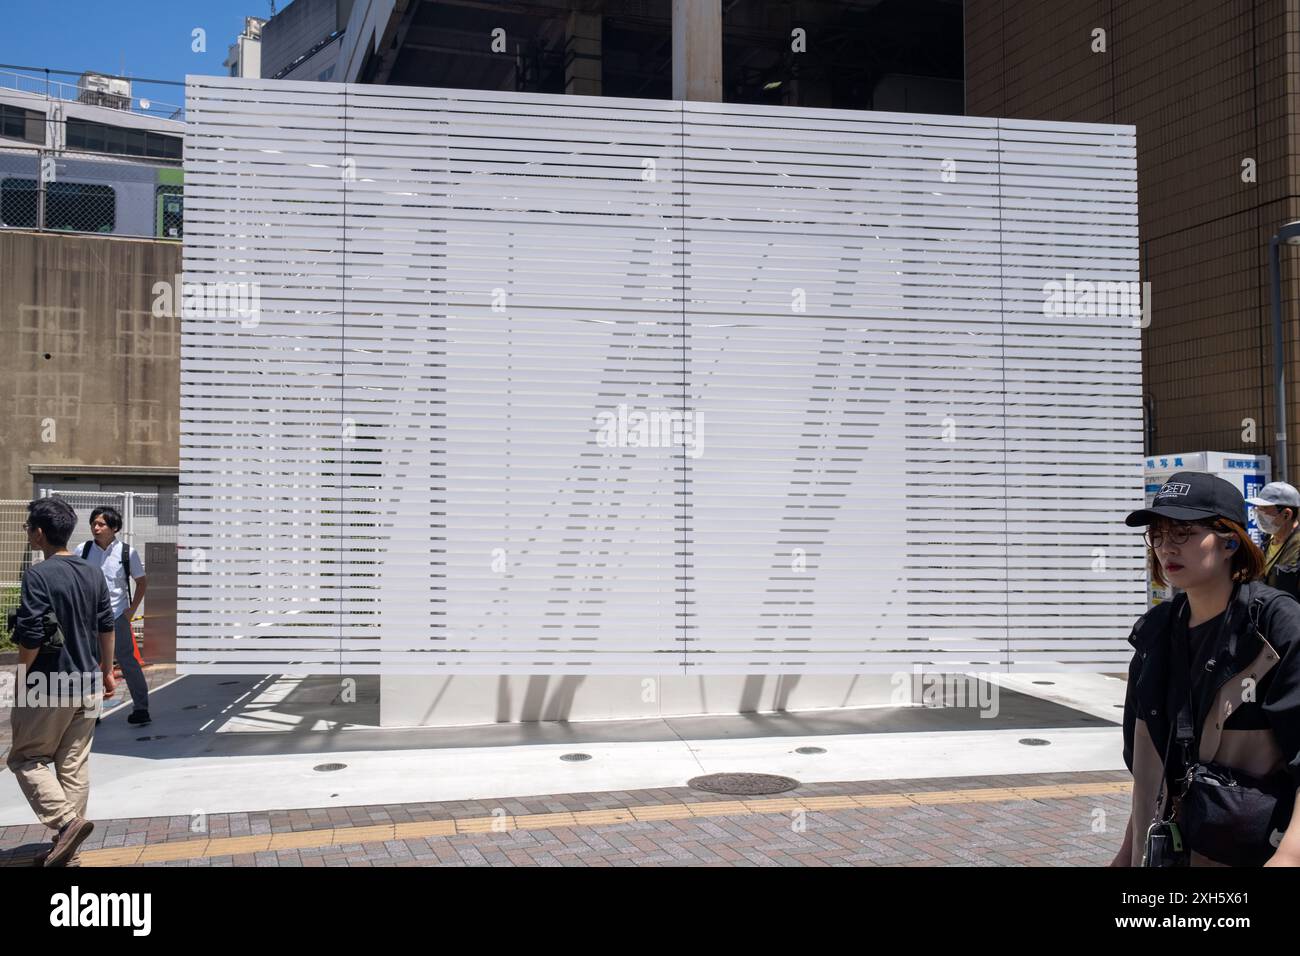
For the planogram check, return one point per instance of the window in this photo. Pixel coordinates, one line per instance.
(171, 211)
(77, 207)
(18, 203)
(100, 138)
(14, 123)
(80, 207)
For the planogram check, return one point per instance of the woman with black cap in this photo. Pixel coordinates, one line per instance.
(1212, 715)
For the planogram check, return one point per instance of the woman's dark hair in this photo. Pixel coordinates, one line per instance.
(55, 517)
(112, 517)
(1247, 559)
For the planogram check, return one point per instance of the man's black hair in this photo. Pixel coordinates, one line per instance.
(55, 517)
(112, 517)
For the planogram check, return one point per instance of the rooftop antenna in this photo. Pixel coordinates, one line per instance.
(273, 8)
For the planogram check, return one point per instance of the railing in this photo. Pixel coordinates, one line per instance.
(47, 88)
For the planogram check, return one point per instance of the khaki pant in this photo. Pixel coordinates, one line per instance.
(50, 757)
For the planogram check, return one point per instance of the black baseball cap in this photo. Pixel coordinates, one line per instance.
(1193, 496)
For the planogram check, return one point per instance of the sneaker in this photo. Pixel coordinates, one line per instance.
(68, 840)
(138, 717)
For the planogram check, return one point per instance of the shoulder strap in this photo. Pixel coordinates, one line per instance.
(1176, 634)
(126, 570)
(1258, 605)
(1182, 677)
(85, 550)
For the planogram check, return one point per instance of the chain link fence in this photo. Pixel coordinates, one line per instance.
(14, 557)
(53, 191)
(147, 518)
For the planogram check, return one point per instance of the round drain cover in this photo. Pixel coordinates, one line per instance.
(194, 706)
(327, 767)
(227, 683)
(810, 750)
(575, 758)
(742, 784)
(1044, 682)
(1034, 741)
(154, 737)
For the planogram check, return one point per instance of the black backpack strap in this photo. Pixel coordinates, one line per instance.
(126, 568)
(85, 550)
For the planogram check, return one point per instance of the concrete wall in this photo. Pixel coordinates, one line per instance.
(88, 374)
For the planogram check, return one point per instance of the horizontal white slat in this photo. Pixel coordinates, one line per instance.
(396, 468)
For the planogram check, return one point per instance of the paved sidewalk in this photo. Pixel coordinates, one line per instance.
(1063, 819)
(155, 675)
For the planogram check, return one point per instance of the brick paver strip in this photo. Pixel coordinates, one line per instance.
(744, 820)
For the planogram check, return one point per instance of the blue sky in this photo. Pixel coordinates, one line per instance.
(141, 38)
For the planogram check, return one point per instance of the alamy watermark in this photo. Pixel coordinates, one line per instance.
(937, 690)
(625, 427)
(209, 300)
(26, 688)
(1098, 299)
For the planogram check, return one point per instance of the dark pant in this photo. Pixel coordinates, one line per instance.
(124, 649)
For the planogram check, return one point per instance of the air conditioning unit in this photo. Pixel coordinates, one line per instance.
(97, 89)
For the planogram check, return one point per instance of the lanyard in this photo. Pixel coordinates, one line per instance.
(1182, 728)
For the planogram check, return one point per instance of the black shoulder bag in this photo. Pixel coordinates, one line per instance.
(52, 633)
(1228, 816)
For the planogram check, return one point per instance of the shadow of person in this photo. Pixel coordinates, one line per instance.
(25, 855)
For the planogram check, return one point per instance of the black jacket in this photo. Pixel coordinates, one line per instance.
(1247, 694)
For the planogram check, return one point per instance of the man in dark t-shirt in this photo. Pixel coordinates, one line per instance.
(64, 632)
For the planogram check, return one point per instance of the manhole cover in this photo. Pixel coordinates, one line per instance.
(227, 683)
(1034, 741)
(328, 767)
(1049, 682)
(194, 706)
(154, 737)
(575, 758)
(742, 784)
(810, 750)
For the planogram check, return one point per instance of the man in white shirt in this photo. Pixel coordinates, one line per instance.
(105, 552)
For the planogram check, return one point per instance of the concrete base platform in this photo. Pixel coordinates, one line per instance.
(221, 745)
(460, 700)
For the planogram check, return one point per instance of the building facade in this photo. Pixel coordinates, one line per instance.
(1211, 89)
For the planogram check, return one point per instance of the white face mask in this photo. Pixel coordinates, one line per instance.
(1268, 523)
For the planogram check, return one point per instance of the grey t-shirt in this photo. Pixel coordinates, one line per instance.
(75, 591)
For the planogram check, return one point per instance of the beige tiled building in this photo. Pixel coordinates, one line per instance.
(1213, 93)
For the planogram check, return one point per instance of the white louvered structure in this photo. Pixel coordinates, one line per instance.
(894, 455)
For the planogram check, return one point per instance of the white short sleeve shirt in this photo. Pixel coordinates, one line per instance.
(110, 563)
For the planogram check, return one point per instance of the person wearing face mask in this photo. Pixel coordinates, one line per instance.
(1212, 709)
(1277, 511)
